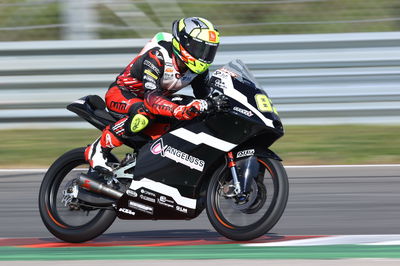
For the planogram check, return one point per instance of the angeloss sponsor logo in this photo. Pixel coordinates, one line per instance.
(178, 156)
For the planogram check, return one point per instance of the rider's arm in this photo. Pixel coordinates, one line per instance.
(154, 97)
(200, 86)
(152, 72)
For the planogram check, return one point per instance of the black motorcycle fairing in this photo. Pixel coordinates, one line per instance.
(188, 164)
(146, 204)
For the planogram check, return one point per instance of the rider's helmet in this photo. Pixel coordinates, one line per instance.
(195, 41)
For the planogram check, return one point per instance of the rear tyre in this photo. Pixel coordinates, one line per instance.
(61, 218)
(246, 219)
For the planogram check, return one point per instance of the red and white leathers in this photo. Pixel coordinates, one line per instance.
(143, 88)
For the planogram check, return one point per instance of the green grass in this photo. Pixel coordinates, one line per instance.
(240, 18)
(300, 145)
(202, 252)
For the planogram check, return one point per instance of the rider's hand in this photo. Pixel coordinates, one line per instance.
(191, 110)
(219, 103)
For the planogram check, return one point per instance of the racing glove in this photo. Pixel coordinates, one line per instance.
(191, 110)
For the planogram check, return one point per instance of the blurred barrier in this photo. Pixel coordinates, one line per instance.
(312, 79)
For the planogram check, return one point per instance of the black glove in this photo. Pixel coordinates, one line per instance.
(219, 103)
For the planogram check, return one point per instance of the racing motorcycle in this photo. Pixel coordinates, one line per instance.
(219, 161)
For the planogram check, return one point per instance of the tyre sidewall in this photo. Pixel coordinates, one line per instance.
(75, 234)
(261, 227)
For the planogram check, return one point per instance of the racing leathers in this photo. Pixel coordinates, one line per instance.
(142, 92)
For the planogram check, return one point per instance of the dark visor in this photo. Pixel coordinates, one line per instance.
(200, 50)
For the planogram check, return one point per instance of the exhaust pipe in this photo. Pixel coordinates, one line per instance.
(94, 186)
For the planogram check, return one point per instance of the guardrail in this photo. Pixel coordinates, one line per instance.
(312, 79)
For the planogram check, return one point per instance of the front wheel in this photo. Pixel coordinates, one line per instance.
(68, 221)
(243, 219)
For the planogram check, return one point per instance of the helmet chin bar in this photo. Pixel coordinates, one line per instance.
(179, 64)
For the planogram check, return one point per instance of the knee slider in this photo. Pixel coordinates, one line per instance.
(138, 123)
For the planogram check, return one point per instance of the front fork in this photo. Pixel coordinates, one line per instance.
(233, 169)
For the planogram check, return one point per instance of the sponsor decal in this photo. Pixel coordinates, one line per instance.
(168, 76)
(212, 36)
(150, 86)
(164, 199)
(146, 198)
(146, 77)
(230, 73)
(220, 84)
(127, 211)
(151, 74)
(181, 209)
(118, 105)
(153, 67)
(162, 107)
(243, 111)
(148, 193)
(169, 69)
(141, 207)
(131, 193)
(177, 99)
(176, 155)
(166, 204)
(245, 153)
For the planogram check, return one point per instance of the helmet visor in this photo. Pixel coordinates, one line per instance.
(200, 50)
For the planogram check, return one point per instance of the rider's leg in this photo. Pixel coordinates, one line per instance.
(134, 121)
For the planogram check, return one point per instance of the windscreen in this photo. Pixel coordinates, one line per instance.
(241, 72)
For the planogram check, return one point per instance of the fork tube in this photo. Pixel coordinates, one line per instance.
(232, 167)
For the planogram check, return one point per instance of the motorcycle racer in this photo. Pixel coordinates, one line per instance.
(143, 90)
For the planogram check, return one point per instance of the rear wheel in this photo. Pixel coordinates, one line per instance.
(63, 218)
(250, 216)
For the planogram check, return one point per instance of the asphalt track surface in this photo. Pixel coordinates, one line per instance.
(336, 200)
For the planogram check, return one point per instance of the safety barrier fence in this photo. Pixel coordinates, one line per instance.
(312, 79)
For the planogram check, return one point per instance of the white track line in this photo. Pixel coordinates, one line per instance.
(334, 240)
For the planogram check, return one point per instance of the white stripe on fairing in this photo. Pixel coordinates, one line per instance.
(235, 94)
(331, 240)
(165, 190)
(203, 138)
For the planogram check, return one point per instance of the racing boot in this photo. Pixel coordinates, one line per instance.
(97, 153)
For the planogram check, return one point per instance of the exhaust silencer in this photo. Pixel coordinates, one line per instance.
(94, 186)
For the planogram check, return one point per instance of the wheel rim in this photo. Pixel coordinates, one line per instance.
(60, 212)
(255, 213)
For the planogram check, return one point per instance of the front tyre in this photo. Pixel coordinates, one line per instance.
(68, 222)
(243, 220)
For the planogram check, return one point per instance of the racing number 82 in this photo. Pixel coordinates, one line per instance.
(264, 104)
